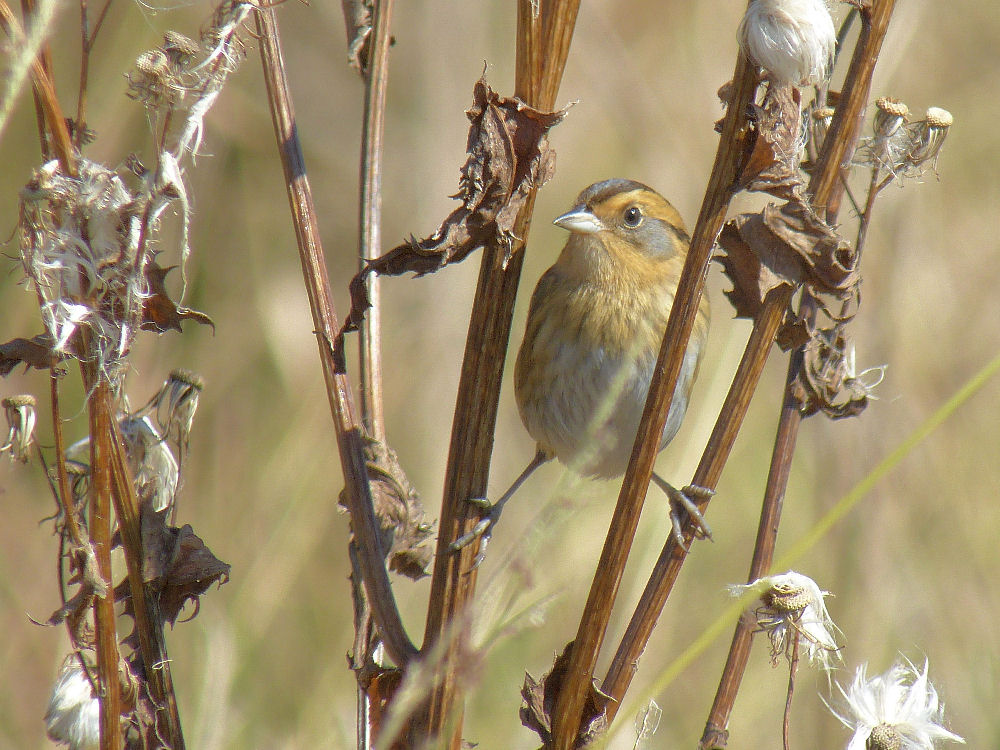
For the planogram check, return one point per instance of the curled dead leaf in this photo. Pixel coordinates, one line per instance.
(772, 165)
(539, 701)
(508, 157)
(788, 245)
(404, 534)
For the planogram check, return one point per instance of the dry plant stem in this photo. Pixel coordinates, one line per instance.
(87, 38)
(370, 332)
(100, 537)
(370, 336)
(833, 165)
(793, 667)
(349, 436)
(715, 735)
(45, 57)
(604, 589)
(542, 47)
(45, 94)
(70, 521)
(826, 188)
(667, 567)
(148, 620)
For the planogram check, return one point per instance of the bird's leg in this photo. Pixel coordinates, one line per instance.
(681, 502)
(485, 526)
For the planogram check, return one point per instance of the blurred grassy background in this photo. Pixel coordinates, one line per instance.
(913, 568)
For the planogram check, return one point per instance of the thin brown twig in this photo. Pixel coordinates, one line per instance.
(793, 666)
(45, 56)
(604, 589)
(370, 332)
(145, 605)
(715, 734)
(544, 32)
(350, 440)
(366, 647)
(87, 38)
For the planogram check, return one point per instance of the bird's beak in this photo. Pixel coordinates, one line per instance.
(580, 220)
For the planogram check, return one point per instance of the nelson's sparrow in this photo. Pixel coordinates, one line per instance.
(595, 324)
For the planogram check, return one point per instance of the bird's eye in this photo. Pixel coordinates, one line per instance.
(633, 216)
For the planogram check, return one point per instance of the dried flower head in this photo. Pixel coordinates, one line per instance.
(176, 403)
(181, 50)
(73, 715)
(79, 238)
(793, 40)
(929, 135)
(154, 81)
(791, 608)
(20, 413)
(890, 115)
(898, 710)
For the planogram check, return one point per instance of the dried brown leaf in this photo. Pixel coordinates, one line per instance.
(177, 563)
(34, 352)
(160, 313)
(773, 163)
(788, 245)
(405, 536)
(539, 701)
(831, 261)
(508, 156)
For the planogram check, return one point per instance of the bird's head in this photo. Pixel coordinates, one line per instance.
(627, 218)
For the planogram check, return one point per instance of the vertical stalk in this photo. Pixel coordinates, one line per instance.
(604, 589)
(544, 32)
(370, 339)
(667, 567)
(348, 432)
(100, 537)
(370, 330)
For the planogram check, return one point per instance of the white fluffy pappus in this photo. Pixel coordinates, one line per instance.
(793, 40)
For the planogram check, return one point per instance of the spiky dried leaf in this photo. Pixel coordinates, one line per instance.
(540, 701)
(160, 313)
(508, 157)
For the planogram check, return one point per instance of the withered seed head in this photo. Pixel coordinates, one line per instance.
(785, 597)
(180, 49)
(929, 135)
(890, 114)
(188, 377)
(153, 63)
(884, 737)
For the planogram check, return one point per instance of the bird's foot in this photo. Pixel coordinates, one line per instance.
(682, 506)
(483, 530)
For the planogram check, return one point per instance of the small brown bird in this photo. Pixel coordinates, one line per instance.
(595, 324)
